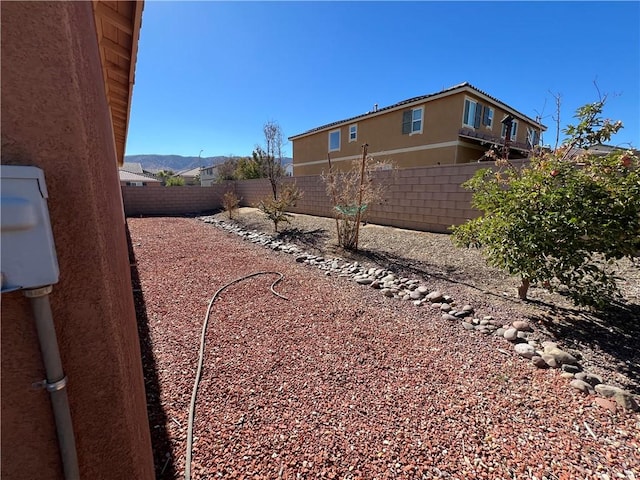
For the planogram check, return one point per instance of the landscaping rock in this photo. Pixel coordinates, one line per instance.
(511, 334)
(581, 386)
(539, 362)
(561, 356)
(525, 350)
(415, 295)
(550, 360)
(591, 379)
(607, 391)
(364, 280)
(434, 297)
(573, 369)
(626, 400)
(521, 326)
(606, 404)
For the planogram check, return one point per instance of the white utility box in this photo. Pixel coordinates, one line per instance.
(28, 252)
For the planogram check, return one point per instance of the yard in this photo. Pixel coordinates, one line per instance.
(339, 381)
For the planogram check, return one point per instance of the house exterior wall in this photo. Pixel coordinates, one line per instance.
(55, 116)
(124, 183)
(438, 144)
(208, 176)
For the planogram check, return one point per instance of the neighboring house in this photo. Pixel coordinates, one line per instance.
(133, 167)
(208, 176)
(455, 125)
(191, 176)
(68, 71)
(599, 150)
(138, 180)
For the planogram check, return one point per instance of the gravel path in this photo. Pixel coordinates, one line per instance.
(340, 382)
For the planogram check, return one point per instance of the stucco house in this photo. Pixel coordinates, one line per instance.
(131, 179)
(208, 176)
(456, 125)
(191, 175)
(68, 70)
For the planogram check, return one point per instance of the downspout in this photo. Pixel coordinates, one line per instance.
(56, 381)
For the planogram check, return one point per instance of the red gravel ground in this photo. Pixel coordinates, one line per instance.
(341, 382)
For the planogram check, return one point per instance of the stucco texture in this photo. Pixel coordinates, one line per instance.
(55, 116)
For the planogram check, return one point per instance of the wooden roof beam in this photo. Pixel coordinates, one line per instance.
(116, 19)
(115, 48)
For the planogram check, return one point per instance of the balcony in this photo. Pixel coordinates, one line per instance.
(486, 138)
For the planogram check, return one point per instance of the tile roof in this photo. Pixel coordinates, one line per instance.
(133, 167)
(134, 177)
(460, 86)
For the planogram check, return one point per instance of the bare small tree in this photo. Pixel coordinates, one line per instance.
(270, 156)
(352, 192)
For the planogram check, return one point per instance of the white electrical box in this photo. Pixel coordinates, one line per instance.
(28, 252)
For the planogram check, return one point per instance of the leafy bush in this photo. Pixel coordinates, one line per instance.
(174, 182)
(275, 209)
(563, 219)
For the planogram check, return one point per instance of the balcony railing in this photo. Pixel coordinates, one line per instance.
(487, 138)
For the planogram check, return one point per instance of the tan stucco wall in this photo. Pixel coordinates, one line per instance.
(55, 116)
(443, 119)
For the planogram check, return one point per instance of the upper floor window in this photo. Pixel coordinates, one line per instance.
(412, 121)
(514, 130)
(476, 114)
(334, 140)
(353, 133)
(487, 116)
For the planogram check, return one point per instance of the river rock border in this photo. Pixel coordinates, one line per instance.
(517, 333)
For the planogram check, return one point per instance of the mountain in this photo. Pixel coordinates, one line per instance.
(176, 163)
(155, 163)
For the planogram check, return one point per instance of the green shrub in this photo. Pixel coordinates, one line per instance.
(561, 220)
(174, 182)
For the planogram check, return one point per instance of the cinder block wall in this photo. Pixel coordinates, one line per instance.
(424, 198)
(172, 200)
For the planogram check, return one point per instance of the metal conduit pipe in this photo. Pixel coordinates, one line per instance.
(56, 381)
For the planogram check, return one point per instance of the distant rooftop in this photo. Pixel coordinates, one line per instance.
(135, 177)
(133, 167)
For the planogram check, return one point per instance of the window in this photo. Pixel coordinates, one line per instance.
(487, 116)
(353, 133)
(514, 130)
(334, 140)
(412, 121)
(470, 109)
(136, 184)
(533, 137)
(476, 114)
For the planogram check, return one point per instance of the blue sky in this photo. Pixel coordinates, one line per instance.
(210, 74)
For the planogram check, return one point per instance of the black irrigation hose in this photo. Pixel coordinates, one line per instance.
(194, 394)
